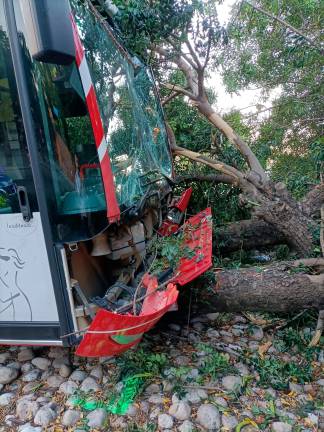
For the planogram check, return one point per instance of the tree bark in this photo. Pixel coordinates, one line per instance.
(312, 202)
(273, 288)
(246, 234)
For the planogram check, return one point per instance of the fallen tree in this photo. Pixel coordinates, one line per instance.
(245, 234)
(280, 287)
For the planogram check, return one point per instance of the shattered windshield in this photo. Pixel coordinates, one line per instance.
(131, 113)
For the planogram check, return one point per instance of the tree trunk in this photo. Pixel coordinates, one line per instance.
(246, 234)
(273, 288)
(286, 217)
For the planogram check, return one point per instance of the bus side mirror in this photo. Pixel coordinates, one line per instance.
(49, 30)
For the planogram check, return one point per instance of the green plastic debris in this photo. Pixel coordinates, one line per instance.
(117, 405)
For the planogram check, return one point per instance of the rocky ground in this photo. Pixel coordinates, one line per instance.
(222, 372)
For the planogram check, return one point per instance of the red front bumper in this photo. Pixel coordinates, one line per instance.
(112, 333)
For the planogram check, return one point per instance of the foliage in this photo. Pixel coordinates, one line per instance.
(269, 414)
(277, 373)
(138, 361)
(214, 363)
(265, 54)
(290, 338)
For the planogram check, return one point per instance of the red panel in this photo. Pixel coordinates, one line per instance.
(94, 114)
(98, 342)
(183, 202)
(198, 235)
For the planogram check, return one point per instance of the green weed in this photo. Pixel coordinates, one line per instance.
(276, 373)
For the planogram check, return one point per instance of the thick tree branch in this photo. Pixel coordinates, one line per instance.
(236, 175)
(179, 90)
(208, 111)
(286, 24)
(169, 98)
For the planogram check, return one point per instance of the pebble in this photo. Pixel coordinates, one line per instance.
(96, 418)
(78, 375)
(25, 409)
(253, 346)
(243, 369)
(271, 392)
(14, 365)
(165, 421)
(212, 333)
(6, 398)
(41, 363)
(89, 384)
(7, 375)
(208, 417)
(132, 410)
(26, 354)
(180, 410)
(186, 426)
(45, 416)
(196, 395)
(220, 401)
(257, 333)
(32, 375)
(65, 371)
(29, 388)
(54, 381)
(71, 417)
(68, 387)
(155, 413)
(250, 428)
(152, 388)
(97, 373)
(174, 327)
(57, 352)
(26, 367)
(213, 316)
(144, 407)
(296, 388)
(232, 382)
(281, 427)
(229, 422)
(156, 399)
(60, 361)
(29, 428)
(4, 357)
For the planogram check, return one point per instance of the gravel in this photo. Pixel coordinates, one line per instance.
(38, 386)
